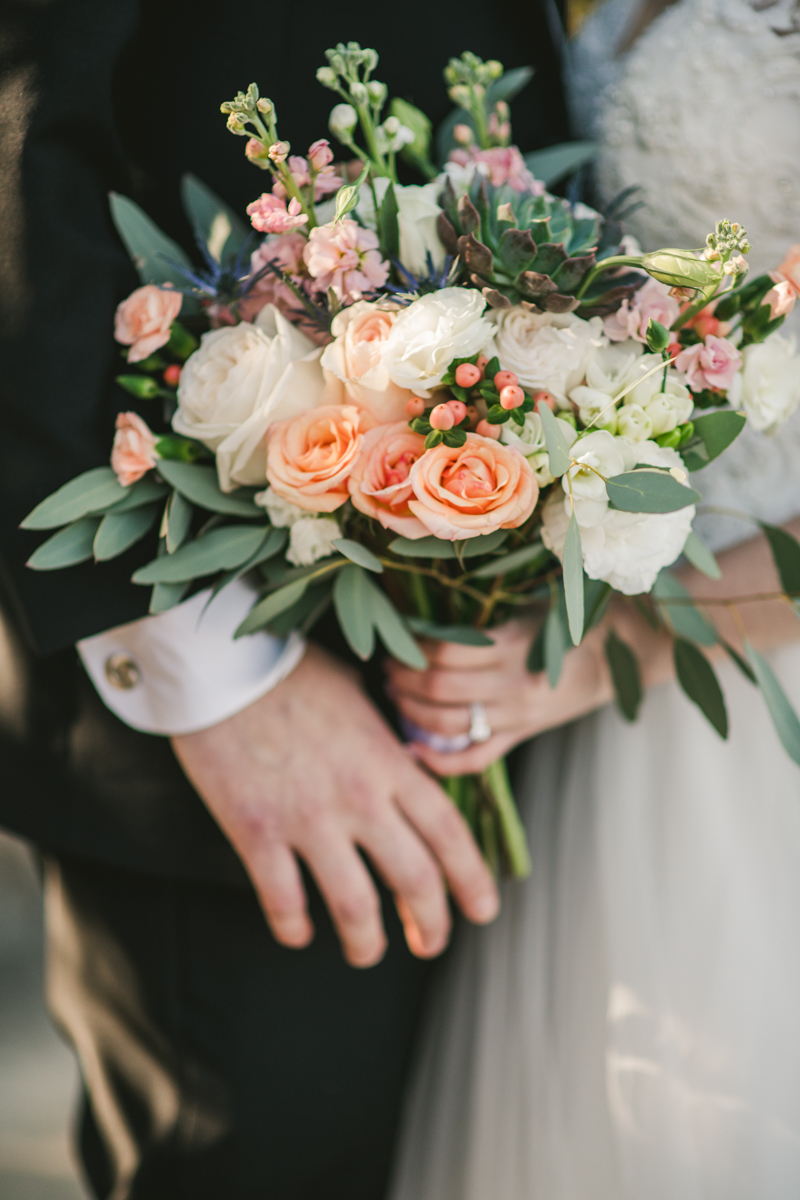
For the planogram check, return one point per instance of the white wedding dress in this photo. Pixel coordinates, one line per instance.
(629, 1028)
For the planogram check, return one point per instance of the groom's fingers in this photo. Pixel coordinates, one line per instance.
(278, 883)
(349, 893)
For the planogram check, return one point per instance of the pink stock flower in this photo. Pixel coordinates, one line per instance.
(505, 165)
(325, 183)
(320, 154)
(133, 453)
(790, 269)
(379, 482)
(144, 320)
(255, 150)
(780, 298)
(345, 257)
(633, 316)
(712, 364)
(286, 252)
(269, 214)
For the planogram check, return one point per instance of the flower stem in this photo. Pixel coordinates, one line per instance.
(495, 780)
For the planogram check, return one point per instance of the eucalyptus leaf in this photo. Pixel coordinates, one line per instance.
(701, 557)
(91, 492)
(394, 632)
(557, 449)
(119, 531)
(67, 547)
(786, 554)
(390, 229)
(153, 253)
(554, 162)
(624, 668)
(596, 595)
(741, 663)
(784, 718)
(509, 85)
(221, 229)
(718, 429)
(505, 564)
(556, 640)
(686, 620)
(573, 580)
(272, 545)
(304, 613)
(267, 609)
(462, 635)
(699, 681)
(351, 600)
(649, 492)
(426, 547)
(144, 491)
(178, 521)
(359, 554)
(218, 550)
(200, 485)
(166, 595)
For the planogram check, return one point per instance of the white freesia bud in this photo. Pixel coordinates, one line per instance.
(327, 77)
(359, 92)
(377, 93)
(634, 423)
(342, 121)
(310, 539)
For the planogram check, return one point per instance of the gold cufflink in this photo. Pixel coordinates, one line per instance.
(122, 671)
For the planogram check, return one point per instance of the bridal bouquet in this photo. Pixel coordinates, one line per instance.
(432, 406)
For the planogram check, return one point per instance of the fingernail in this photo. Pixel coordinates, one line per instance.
(485, 908)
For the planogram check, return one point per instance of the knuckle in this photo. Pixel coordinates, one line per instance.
(421, 879)
(356, 909)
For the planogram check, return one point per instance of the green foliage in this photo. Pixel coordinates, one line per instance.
(418, 152)
(699, 681)
(786, 554)
(362, 609)
(153, 253)
(388, 225)
(573, 580)
(684, 618)
(268, 609)
(648, 491)
(166, 595)
(143, 387)
(625, 676)
(92, 492)
(433, 547)
(216, 224)
(69, 546)
(506, 563)
(784, 718)
(556, 638)
(556, 162)
(701, 557)
(359, 554)
(219, 549)
(713, 433)
(178, 521)
(119, 531)
(200, 485)
(144, 491)
(557, 449)
(462, 635)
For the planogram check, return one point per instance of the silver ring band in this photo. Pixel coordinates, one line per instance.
(479, 728)
(479, 731)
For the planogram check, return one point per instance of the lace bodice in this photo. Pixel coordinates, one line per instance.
(704, 111)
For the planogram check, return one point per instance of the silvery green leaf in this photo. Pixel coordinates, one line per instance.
(716, 431)
(267, 609)
(784, 718)
(509, 85)
(119, 531)
(701, 557)
(347, 196)
(221, 229)
(741, 663)
(144, 491)
(393, 630)
(426, 547)
(556, 640)
(557, 449)
(200, 485)
(217, 550)
(178, 520)
(686, 620)
(573, 580)
(67, 547)
(648, 492)
(153, 253)
(91, 492)
(504, 564)
(359, 554)
(272, 545)
(351, 599)
(786, 555)
(555, 162)
(624, 668)
(699, 681)
(462, 635)
(166, 595)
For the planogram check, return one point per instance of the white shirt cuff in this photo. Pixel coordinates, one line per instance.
(181, 670)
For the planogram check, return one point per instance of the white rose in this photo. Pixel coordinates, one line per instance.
(768, 386)
(417, 214)
(356, 357)
(529, 439)
(311, 538)
(546, 350)
(624, 549)
(430, 333)
(282, 513)
(241, 379)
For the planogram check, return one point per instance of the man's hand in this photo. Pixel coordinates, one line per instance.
(311, 769)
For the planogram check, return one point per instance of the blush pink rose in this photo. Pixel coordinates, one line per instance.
(143, 321)
(477, 488)
(710, 364)
(504, 164)
(345, 257)
(781, 298)
(356, 357)
(633, 316)
(134, 451)
(309, 459)
(269, 213)
(790, 269)
(380, 483)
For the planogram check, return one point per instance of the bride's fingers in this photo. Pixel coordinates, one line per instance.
(455, 687)
(472, 760)
(452, 721)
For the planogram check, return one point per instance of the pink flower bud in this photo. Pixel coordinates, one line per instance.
(544, 398)
(463, 135)
(484, 429)
(505, 379)
(467, 375)
(172, 375)
(320, 154)
(511, 396)
(255, 149)
(781, 299)
(458, 409)
(278, 151)
(441, 417)
(415, 408)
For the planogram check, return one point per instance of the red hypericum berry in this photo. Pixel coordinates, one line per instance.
(487, 430)
(482, 364)
(442, 417)
(467, 375)
(172, 375)
(546, 398)
(511, 396)
(415, 408)
(459, 410)
(505, 379)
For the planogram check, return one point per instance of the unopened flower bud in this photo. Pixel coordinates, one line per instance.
(780, 298)
(459, 94)
(172, 375)
(320, 154)
(236, 125)
(256, 150)
(279, 151)
(377, 93)
(342, 121)
(482, 364)
(680, 268)
(502, 110)
(359, 92)
(391, 126)
(327, 77)
(467, 375)
(441, 417)
(494, 69)
(265, 106)
(484, 429)
(463, 135)
(369, 58)
(459, 410)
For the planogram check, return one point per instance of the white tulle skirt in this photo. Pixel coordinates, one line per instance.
(629, 1029)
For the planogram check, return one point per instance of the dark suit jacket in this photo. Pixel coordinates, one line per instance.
(124, 95)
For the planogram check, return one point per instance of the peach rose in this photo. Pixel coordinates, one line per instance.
(355, 357)
(143, 320)
(133, 453)
(310, 458)
(790, 269)
(478, 488)
(379, 483)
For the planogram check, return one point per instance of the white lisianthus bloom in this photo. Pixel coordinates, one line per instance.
(430, 333)
(311, 538)
(608, 371)
(666, 409)
(529, 439)
(624, 549)
(768, 386)
(417, 214)
(241, 379)
(634, 423)
(546, 350)
(282, 513)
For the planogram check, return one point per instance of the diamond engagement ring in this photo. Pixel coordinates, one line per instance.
(479, 728)
(479, 731)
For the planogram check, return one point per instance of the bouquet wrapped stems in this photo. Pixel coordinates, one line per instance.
(486, 801)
